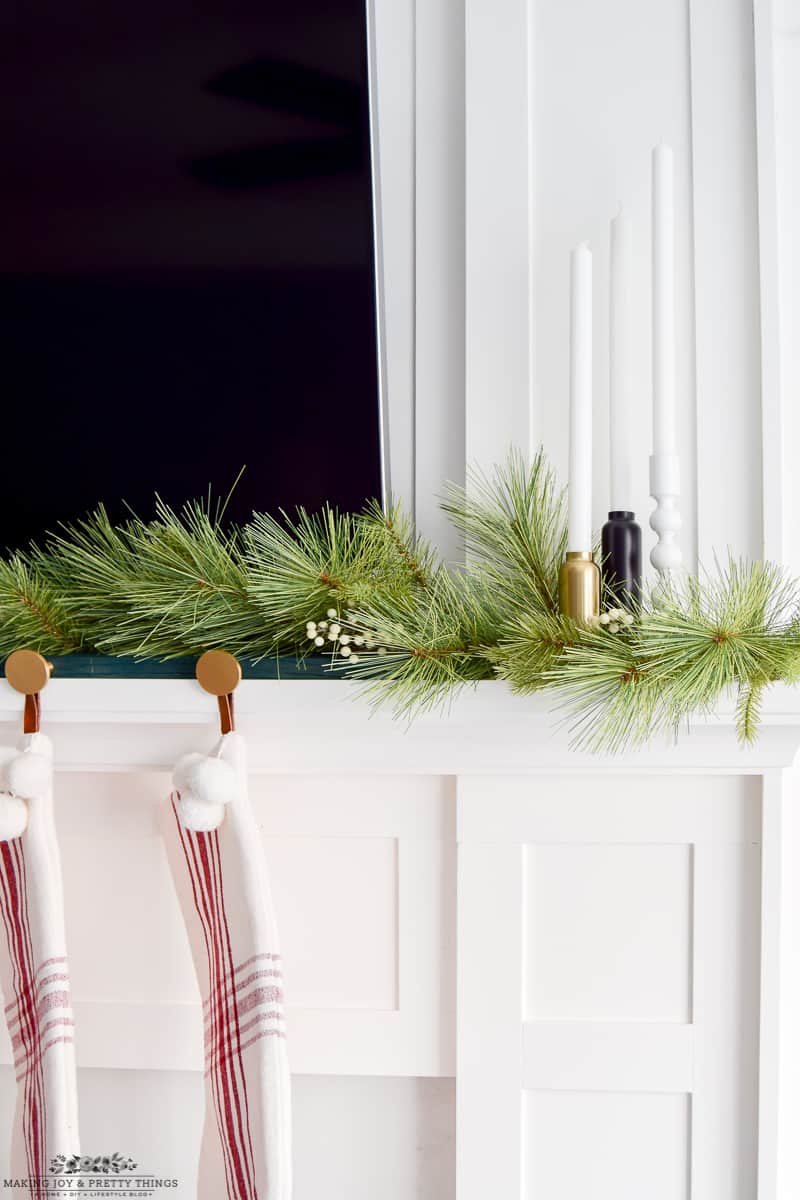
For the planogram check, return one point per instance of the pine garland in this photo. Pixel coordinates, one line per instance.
(365, 590)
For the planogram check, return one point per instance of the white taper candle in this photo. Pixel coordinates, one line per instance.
(664, 440)
(580, 400)
(621, 363)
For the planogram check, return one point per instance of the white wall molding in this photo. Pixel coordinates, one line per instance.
(779, 1090)
(393, 85)
(777, 49)
(489, 1070)
(498, 259)
(777, 493)
(619, 1056)
(726, 279)
(439, 256)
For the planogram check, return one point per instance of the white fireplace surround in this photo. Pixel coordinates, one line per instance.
(667, 998)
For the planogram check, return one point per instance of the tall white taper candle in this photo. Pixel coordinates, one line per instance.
(620, 363)
(663, 302)
(580, 400)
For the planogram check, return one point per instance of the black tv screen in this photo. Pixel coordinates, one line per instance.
(187, 258)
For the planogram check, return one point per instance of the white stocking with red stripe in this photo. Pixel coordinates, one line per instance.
(221, 880)
(34, 972)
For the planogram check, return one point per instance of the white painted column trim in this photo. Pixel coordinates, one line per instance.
(776, 499)
(725, 222)
(498, 238)
(392, 85)
(439, 199)
(779, 1066)
(489, 1061)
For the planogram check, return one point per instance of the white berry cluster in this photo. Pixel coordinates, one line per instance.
(329, 633)
(614, 619)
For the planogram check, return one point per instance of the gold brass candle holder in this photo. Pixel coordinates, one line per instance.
(579, 586)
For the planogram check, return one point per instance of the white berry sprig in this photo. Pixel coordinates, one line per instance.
(328, 634)
(614, 620)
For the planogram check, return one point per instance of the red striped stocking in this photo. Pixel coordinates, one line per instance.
(216, 857)
(33, 969)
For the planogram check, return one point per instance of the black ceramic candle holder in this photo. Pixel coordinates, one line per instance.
(622, 557)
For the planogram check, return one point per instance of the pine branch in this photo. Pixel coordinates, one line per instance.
(33, 612)
(169, 587)
(299, 568)
(529, 647)
(748, 711)
(514, 530)
(727, 629)
(421, 648)
(609, 699)
(398, 539)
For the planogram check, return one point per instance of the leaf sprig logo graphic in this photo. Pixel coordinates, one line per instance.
(88, 1164)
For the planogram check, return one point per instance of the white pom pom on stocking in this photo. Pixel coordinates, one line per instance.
(13, 817)
(199, 815)
(205, 784)
(207, 777)
(29, 775)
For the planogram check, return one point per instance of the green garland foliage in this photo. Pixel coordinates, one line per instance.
(411, 628)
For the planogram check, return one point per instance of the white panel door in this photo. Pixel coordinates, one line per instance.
(608, 983)
(362, 871)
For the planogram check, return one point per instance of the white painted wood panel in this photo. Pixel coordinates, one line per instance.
(439, 198)
(607, 932)
(777, 42)
(354, 1138)
(779, 1051)
(489, 1068)
(363, 881)
(726, 278)
(393, 86)
(626, 939)
(563, 104)
(607, 1056)
(775, 421)
(589, 1145)
(725, 1018)
(419, 85)
(607, 83)
(498, 312)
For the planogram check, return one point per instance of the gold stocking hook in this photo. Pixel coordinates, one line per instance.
(220, 673)
(28, 672)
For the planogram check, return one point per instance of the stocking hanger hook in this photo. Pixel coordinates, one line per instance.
(28, 672)
(220, 673)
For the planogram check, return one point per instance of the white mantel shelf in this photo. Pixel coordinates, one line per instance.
(320, 726)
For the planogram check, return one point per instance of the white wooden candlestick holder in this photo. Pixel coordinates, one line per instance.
(665, 520)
